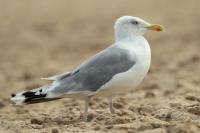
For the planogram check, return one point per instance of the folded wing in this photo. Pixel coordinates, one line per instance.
(95, 72)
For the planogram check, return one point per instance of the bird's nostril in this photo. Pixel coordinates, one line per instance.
(13, 95)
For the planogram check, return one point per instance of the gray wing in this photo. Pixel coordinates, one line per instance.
(97, 71)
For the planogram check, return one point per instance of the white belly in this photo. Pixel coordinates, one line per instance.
(124, 82)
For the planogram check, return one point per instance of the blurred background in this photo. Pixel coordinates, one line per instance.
(43, 38)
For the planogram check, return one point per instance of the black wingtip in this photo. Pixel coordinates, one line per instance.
(32, 95)
(13, 95)
(39, 100)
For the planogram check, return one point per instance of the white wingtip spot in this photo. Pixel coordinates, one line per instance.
(17, 99)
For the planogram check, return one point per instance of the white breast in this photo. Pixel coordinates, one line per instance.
(138, 49)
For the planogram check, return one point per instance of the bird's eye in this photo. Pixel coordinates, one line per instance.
(134, 22)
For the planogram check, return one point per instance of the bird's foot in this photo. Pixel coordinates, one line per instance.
(89, 116)
(85, 118)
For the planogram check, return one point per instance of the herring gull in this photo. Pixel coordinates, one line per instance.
(115, 70)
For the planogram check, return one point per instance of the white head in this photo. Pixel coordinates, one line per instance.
(126, 26)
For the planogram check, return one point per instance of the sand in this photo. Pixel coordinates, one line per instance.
(43, 38)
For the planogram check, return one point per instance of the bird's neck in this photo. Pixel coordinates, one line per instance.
(125, 34)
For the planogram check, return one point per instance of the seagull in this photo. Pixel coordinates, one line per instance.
(115, 70)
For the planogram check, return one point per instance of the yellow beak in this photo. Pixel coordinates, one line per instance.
(156, 27)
